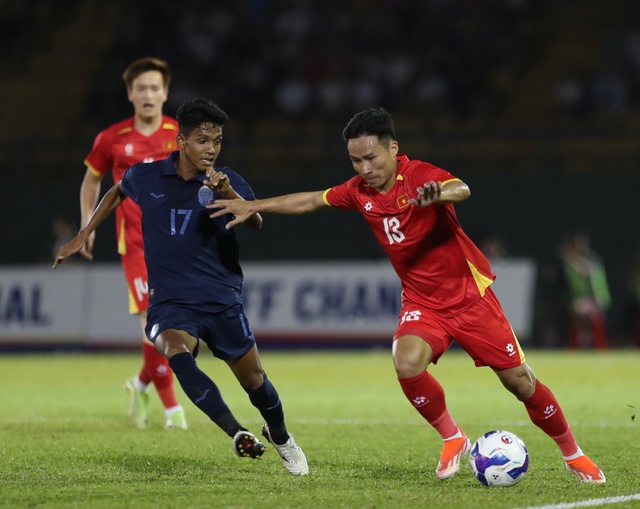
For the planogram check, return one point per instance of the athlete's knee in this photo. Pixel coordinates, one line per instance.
(411, 356)
(520, 381)
(170, 343)
(251, 379)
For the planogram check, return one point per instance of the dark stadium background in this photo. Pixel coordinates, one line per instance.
(534, 103)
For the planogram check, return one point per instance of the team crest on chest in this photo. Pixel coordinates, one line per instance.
(205, 195)
(403, 201)
(128, 149)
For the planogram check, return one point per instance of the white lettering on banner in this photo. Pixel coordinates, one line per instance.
(261, 296)
(21, 305)
(86, 303)
(317, 300)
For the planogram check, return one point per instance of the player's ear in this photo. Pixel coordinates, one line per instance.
(180, 140)
(394, 148)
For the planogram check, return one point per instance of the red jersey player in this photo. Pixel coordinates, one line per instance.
(147, 136)
(446, 283)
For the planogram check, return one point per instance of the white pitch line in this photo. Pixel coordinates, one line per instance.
(587, 503)
(330, 422)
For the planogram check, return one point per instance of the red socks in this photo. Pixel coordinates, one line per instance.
(156, 369)
(545, 412)
(427, 396)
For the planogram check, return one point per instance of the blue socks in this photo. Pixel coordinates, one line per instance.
(203, 392)
(265, 398)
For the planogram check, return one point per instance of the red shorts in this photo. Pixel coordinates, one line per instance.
(135, 271)
(482, 330)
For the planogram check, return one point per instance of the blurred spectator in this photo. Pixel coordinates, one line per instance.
(493, 247)
(632, 305)
(313, 58)
(552, 309)
(62, 231)
(572, 95)
(587, 292)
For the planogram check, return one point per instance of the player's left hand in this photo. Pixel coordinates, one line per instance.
(218, 182)
(428, 194)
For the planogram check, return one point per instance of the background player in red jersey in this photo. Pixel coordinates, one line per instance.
(146, 136)
(445, 281)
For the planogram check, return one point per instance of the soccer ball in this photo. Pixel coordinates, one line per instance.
(499, 458)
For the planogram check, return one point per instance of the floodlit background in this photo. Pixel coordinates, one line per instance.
(534, 103)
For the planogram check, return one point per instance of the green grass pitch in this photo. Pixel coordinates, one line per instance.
(65, 439)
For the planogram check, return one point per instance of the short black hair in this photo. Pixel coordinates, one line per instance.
(195, 112)
(371, 122)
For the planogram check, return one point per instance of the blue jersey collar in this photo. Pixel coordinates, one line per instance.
(168, 168)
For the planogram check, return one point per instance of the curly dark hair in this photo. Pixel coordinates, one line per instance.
(195, 112)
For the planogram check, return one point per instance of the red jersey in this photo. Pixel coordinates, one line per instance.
(117, 148)
(438, 265)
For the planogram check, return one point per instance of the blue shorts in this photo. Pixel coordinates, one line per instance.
(227, 333)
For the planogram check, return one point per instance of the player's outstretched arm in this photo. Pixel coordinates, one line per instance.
(296, 203)
(108, 204)
(452, 191)
(89, 194)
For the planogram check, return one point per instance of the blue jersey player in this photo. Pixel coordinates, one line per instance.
(195, 278)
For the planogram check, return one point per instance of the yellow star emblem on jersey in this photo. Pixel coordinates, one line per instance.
(403, 201)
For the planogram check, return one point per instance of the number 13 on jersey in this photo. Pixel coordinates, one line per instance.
(392, 229)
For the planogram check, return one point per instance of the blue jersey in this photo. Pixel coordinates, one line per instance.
(192, 260)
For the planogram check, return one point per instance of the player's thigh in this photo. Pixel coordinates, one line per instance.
(227, 333)
(173, 329)
(171, 342)
(420, 339)
(484, 332)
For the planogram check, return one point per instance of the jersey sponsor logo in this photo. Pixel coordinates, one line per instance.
(511, 349)
(157, 196)
(368, 206)
(403, 201)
